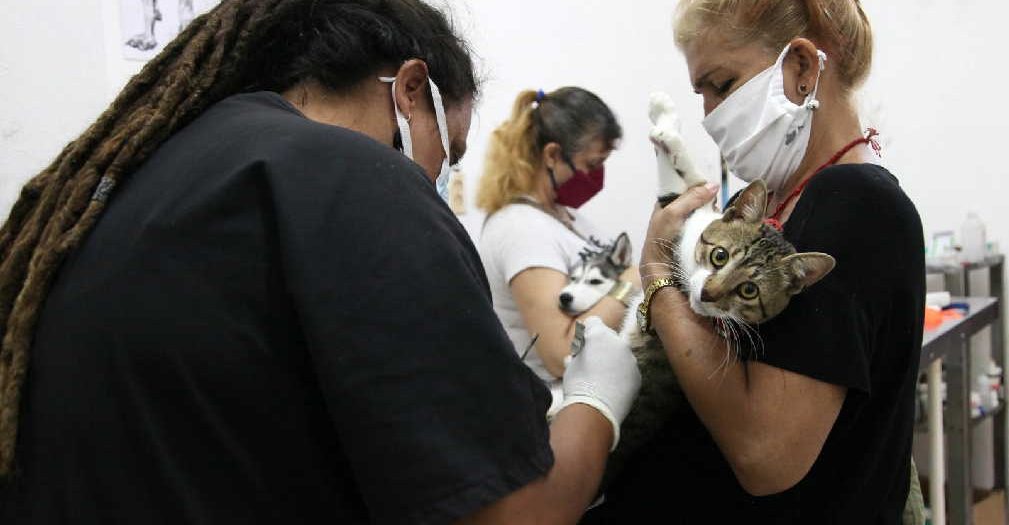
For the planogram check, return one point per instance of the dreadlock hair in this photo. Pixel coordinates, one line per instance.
(242, 45)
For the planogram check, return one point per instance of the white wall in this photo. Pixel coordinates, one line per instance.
(938, 84)
(52, 83)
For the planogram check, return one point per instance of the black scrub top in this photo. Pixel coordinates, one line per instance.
(861, 328)
(274, 321)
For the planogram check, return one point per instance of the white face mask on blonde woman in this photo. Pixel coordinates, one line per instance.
(760, 132)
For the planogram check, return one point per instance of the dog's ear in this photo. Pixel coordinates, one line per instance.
(620, 256)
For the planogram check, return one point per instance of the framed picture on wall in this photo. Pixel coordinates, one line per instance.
(147, 25)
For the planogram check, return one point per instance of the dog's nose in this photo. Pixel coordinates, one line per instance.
(566, 299)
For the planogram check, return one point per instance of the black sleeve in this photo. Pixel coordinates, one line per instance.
(435, 413)
(826, 332)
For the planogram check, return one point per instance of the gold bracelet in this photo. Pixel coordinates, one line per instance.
(621, 291)
(644, 321)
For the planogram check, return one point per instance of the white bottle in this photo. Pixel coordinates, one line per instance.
(972, 239)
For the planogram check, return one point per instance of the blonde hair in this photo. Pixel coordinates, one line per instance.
(570, 116)
(840, 27)
(512, 157)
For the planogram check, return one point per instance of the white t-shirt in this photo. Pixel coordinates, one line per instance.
(519, 237)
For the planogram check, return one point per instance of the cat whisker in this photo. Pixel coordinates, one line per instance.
(756, 342)
(732, 341)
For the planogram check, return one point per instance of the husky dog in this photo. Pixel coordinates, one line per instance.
(595, 276)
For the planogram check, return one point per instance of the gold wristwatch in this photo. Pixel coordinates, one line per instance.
(644, 321)
(622, 291)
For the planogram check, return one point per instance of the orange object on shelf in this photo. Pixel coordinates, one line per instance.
(935, 317)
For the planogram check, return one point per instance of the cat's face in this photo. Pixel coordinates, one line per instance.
(746, 270)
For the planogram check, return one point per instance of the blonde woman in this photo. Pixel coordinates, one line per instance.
(815, 426)
(543, 163)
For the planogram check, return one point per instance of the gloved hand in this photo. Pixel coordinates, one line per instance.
(604, 375)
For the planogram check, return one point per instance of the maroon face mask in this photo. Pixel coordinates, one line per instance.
(580, 188)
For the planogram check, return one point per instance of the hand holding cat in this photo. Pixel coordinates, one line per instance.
(604, 375)
(665, 225)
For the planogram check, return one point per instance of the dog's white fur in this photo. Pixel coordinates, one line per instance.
(589, 281)
(587, 287)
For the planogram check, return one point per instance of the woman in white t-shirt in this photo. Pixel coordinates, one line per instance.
(542, 164)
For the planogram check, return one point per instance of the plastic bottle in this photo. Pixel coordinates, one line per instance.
(995, 384)
(972, 239)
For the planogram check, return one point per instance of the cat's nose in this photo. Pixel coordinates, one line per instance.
(707, 296)
(566, 299)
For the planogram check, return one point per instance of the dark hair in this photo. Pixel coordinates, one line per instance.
(240, 45)
(351, 40)
(573, 117)
(570, 116)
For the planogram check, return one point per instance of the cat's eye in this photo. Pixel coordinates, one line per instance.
(596, 282)
(748, 290)
(719, 257)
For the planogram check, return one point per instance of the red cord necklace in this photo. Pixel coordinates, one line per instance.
(774, 220)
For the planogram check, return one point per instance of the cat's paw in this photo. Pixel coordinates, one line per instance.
(665, 133)
(667, 140)
(662, 110)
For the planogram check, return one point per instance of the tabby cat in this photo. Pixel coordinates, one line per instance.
(736, 270)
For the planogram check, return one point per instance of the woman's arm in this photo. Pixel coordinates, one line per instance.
(769, 423)
(580, 437)
(536, 292)
(599, 389)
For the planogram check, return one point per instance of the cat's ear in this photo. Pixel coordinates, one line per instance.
(750, 205)
(621, 254)
(807, 269)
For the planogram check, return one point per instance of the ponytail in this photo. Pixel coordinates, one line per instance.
(512, 156)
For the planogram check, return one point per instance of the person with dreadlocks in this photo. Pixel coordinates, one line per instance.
(238, 298)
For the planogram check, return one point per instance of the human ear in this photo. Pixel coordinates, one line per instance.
(411, 86)
(801, 68)
(552, 155)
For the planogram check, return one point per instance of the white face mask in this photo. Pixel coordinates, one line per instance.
(761, 133)
(404, 130)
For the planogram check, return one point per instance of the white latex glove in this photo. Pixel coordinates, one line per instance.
(604, 375)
